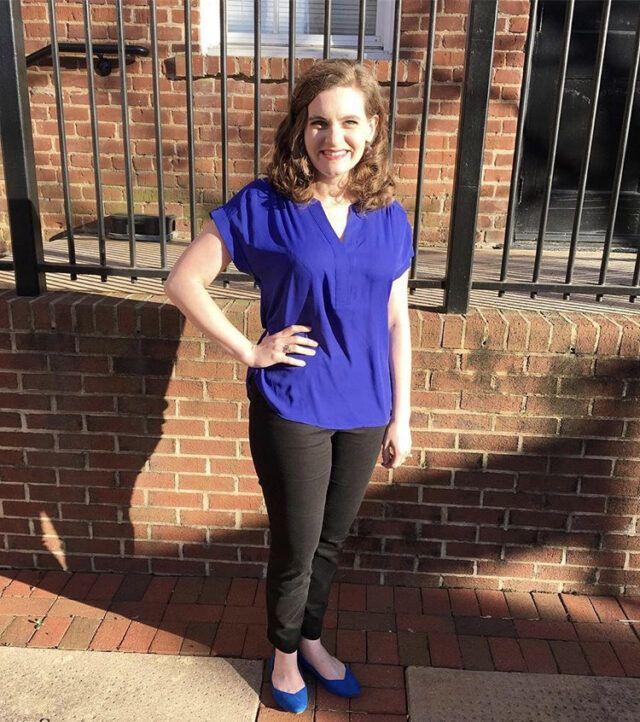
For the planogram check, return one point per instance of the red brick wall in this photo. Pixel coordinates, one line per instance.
(443, 124)
(124, 447)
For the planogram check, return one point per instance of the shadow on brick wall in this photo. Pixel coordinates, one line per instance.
(125, 451)
(83, 410)
(549, 503)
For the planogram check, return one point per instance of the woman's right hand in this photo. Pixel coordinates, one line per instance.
(273, 349)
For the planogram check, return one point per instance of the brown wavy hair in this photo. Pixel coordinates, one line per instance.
(290, 170)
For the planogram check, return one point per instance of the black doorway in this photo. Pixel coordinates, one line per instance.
(574, 126)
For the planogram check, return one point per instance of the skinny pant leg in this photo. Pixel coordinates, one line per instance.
(293, 465)
(312, 486)
(354, 456)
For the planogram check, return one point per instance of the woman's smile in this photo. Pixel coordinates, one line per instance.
(333, 154)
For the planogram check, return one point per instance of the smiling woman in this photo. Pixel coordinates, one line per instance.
(329, 379)
(334, 135)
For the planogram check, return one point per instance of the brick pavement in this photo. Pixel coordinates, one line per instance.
(379, 630)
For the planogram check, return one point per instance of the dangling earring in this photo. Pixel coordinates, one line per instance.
(367, 149)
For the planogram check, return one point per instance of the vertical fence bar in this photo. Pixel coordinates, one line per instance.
(553, 145)
(394, 78)
(257, 65)
(125, 134)
(158, 131)
(62, 136)
(362, 17)
(471, 133)
(17, 155)
(95, 144)
(326, 48)
(586, 157)
(190, 142)
(617, 183)
(517, 153)
(426, 99)
(292, 45)
(223, 100)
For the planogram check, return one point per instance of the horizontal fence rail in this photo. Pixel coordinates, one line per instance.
(458, 280)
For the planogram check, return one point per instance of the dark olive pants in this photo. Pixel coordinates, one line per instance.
(313, 481)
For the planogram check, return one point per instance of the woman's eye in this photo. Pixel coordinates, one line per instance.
(321, 123)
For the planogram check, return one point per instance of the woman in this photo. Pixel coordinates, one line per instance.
(329, 379)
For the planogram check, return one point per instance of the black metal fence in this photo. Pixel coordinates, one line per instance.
(28, 261)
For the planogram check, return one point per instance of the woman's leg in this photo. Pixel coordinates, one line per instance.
(354, 456)
(293, 465)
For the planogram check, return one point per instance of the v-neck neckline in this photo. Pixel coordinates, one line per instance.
(319, 215)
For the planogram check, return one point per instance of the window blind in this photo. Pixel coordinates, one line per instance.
(309, 17)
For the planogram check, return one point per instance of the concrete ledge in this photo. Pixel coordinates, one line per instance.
(108, 686)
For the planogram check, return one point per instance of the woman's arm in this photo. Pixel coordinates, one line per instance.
(396, 445)
(400, 349)
(186, 286)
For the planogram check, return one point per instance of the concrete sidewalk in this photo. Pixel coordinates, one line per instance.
(73, 686)
(82, 686)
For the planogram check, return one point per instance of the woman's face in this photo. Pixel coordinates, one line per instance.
(336, 132)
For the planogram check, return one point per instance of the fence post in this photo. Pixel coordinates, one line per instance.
(17, 155)
(471, 132)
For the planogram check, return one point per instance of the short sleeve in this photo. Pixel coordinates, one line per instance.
(237, 221)
(403, 234)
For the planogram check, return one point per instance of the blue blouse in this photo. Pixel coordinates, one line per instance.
(340, 288)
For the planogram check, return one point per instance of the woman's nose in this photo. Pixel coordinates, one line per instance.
(335, 134)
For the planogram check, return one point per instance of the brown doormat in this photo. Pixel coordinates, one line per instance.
(451, 695)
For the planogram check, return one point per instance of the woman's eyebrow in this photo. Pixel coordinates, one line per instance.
(344, 117)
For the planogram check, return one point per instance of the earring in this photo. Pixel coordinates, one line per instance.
(367, 149)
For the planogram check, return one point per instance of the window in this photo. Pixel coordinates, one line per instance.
(309, 27)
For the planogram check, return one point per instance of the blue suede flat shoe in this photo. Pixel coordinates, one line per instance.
(288, 701)
(346, 687)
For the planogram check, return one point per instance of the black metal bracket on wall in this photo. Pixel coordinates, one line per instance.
(102, 63)
(481, 32)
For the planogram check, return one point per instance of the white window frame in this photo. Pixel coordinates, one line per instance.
(307, 46)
